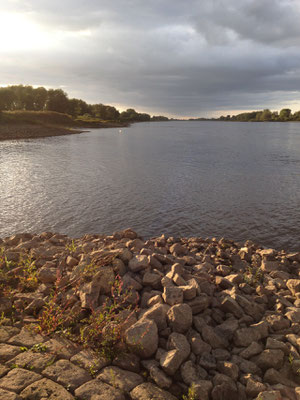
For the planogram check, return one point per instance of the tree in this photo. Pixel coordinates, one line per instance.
(57, 101)
(285, 114)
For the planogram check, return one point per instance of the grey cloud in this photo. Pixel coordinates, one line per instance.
(168, 56)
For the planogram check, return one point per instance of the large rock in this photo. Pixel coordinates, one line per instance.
(142, 337)
(45, 389)
(67, 374)
(138, 263)
(149, 391)
(172, 295)
(98, 390)
(294, 286)
(157, 313)
(180, 317)
(17, 379)
(214, 337)
(119, 378)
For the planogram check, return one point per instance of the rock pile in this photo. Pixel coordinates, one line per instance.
(200, 318)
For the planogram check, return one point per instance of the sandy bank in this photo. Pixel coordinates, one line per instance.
(123, 318)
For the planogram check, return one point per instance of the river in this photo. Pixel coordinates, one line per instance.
(208, 179)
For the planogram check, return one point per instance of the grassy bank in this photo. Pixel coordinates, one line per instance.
(35, 124)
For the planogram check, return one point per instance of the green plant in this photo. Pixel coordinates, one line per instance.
(28, 280)
(71, 247)
(253, 276)
(104, 329)
(39, 348)
(54, 316)
(191, 394)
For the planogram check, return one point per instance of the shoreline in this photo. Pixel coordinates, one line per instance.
(18, 131)
(135, 319)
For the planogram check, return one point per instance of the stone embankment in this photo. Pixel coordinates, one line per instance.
(119, 318)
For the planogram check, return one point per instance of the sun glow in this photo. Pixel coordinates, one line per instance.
(17, 32)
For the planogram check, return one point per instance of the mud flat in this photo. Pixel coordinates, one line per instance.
(118, 317)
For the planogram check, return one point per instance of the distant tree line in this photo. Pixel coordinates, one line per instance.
(266, 115)
(20, 97)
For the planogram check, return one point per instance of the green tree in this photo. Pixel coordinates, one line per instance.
(57, 101)
(285, 114)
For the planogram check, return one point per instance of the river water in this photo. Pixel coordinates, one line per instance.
(208, 179)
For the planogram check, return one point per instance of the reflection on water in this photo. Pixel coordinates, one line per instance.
(218, 179)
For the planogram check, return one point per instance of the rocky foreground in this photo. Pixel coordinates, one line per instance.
(118, 318)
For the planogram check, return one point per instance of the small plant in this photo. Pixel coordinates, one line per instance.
(28, 279)
(24, 348)
(103, 330)
(39, 348)
(191, 394)
(253, 276)
(71, 247)
(291, 358)
(54, 316)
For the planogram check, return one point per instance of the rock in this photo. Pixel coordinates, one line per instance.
(245, 336)
(269, 395)
(17, 379)
(6, 395)
(253, 387)
(160, 378)
(270, 359)
(127, 361)
(207, 361)
(269, 266)
(180, 317)
(157, 313)
(8, 352)
(98, 390)
(138, 263)
(149, 391)
(200, 303)
(294, 286)
(89, 359)
(214, 337)
(6, 332)
(202, 389)
(67, 374)
(142, 337)
(229, 305)
(179, 350)
(47, 274)
(224, 391)
(71, 262)
(172, 295)
(252, 350)
(120, 379)
(5, 306)
(45, 389)
(104, 279)
(228, 368)
(277, 322)
(293, 314)
(178, 250)
(152, 279)
(32, 360)
(192, 373)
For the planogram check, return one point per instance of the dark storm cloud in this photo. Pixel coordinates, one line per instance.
(168, 56)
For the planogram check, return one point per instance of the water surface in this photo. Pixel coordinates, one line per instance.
(238, 180)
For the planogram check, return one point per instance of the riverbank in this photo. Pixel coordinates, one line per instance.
(29, 124)
(122, 318)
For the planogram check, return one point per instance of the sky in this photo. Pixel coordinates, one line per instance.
(191, 58)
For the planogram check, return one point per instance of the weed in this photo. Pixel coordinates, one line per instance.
(24, 348)
(54, 316)
(103, 330)
(253, 276)
(24, 366)
(28, 279)
(39, 348)
(71, 247)
(191, 394)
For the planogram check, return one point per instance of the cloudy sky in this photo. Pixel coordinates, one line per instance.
(172, 57)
